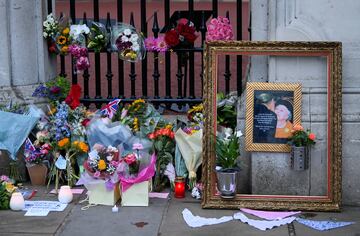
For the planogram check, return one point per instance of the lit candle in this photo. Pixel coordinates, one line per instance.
(17, 202)
(65, 194)
(179, 187)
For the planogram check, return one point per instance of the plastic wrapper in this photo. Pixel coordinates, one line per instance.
(98, 37)
(128, 42)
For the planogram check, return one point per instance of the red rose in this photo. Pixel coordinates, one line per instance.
(312, 136)
(172, 38)
(85, 122)
(188, 32)
(151, 136)
(130, 159)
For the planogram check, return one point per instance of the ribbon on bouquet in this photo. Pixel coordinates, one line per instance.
(144, 175)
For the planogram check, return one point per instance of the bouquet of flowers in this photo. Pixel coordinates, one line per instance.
(182, 35)
(50, 30)
(55, 90)
(128, 42)
(6, 189)
(226, 110)
(37, 154)
(195, 114)
(81, 59)
(102, 162)
(63, 38)
(219, 29)
(98, 38)
(164, 148)
(300, 137)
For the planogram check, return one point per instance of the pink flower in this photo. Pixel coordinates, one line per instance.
(130, 158)
(44, 151)
(97, 174)
(114, 163)
(4, 178)
(124, 113)
(161, 45)
(219, 29)
(46, 146)
(82, 63)
(150, 43)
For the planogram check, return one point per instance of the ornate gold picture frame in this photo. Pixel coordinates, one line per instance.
(328, 146)
(266, 105)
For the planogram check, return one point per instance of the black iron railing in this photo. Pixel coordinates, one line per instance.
(187, 92)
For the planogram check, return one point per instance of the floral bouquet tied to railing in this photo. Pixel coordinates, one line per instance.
(6, 189)
(219, 29)
(128, 42)
(98, 37)
(300, 137)
(182, 35)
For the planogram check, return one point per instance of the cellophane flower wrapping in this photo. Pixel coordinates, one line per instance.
(128, 42)
(98, 37)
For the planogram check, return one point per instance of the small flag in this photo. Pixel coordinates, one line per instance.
(111, 108)
(29, 147)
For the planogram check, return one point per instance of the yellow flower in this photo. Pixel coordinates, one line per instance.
(66, 31)
(52, 111)
(136, 124)
(10, 187)
(64, 49)
(101, 165)
(61, 40)
(195, 109)
(138, 101)
(169, 126)
(63, 142)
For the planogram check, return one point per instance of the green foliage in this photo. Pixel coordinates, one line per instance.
(62, 83)
(227, 152)
(226, 110)
(301, 138)
(4, 198)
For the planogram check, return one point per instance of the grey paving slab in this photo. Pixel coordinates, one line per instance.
(100, 220)
(15, 223)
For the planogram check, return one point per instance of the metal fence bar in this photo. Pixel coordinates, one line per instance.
(73, 20)
(97, 58)
(215, 8)
(227, 73)
(86, 74)
(191, 57)
(156, 74)
(144, 61)
(49, 6)
(109, 74)
(120, 62)
(132, 74)
(167, 54)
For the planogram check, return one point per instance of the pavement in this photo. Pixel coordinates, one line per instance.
(162, 217)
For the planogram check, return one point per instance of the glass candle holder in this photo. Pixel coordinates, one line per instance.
(17, 202)
(179, 187)
(65, 194)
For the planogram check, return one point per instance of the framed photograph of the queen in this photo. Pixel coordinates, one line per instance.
(271, 111)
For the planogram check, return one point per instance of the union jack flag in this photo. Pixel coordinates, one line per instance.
(29, 147)
(111, 108)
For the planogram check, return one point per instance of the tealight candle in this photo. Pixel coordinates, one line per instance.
(115, 209)
(17, 202)
(179, 187)
(65, 194)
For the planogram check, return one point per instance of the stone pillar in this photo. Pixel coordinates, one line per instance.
(307, 20)
(24, 57)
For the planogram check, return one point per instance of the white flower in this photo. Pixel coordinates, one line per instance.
(127, 32)
(111, 149)
(93, 155)
(135, 47)
(109, 158)
(134, 37)
(124, 39)
(76, 30)
(46, 24)
(45, 35)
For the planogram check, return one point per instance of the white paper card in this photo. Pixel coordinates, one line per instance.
(47, 205)
(61, 163)
(37, 212)
(198, 221)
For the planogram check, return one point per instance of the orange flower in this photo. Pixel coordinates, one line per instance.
(83, 147)
(64, 49)
(312, 136)
(63, 142)
(101, 165)
(298, 127)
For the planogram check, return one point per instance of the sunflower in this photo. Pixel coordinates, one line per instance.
(61, 40)
(66, 31)
(64, 49)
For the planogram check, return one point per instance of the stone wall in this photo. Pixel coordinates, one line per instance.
(307, 20)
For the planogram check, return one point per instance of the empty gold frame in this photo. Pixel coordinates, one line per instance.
(328, 95)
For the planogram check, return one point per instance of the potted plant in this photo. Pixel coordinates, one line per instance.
(300, 142)
(227, 153)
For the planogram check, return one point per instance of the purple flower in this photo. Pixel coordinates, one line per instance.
(137, 146)
(55, 89)
(4, 178)
(82, 63)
